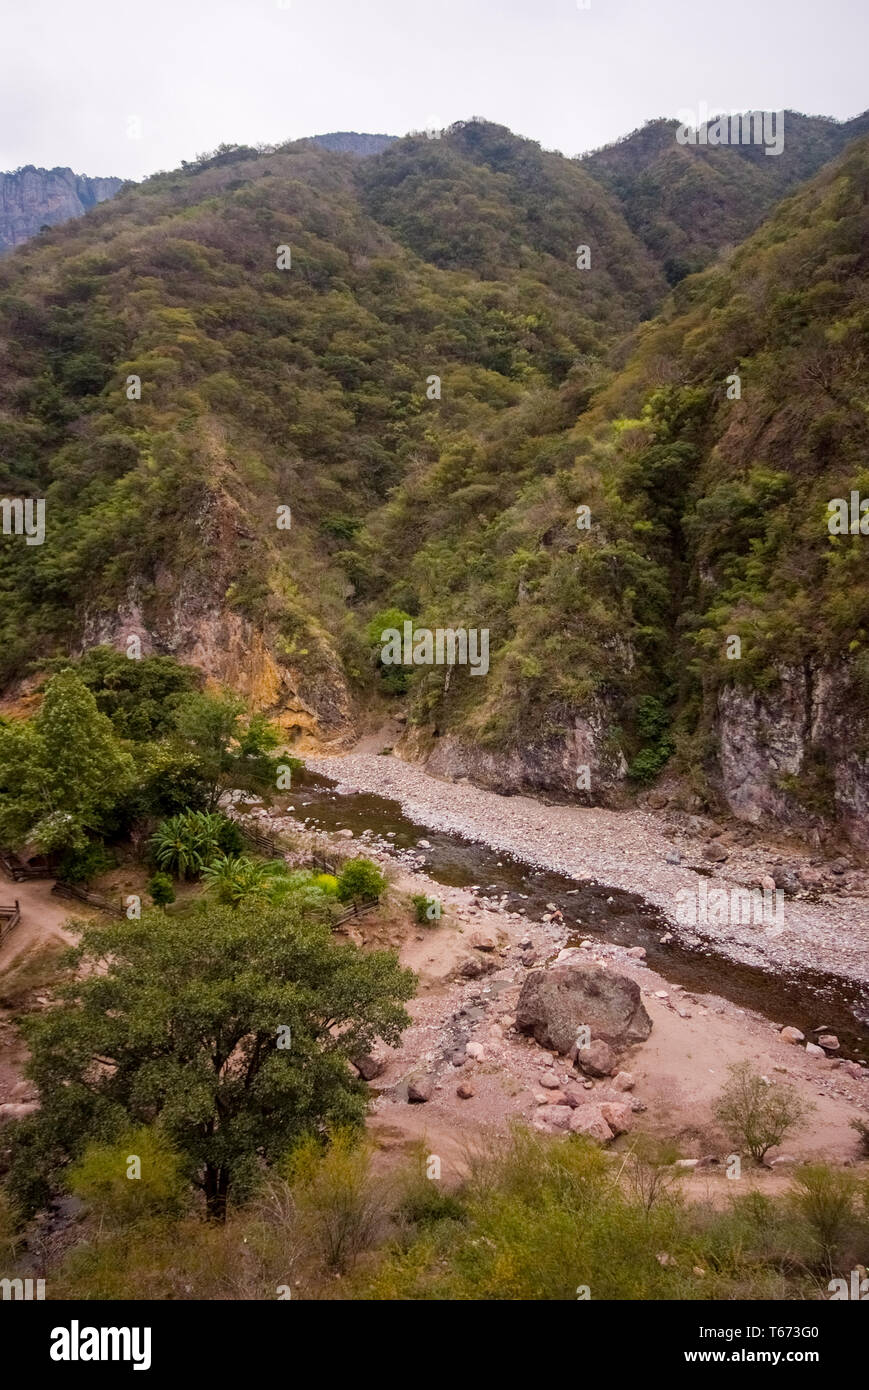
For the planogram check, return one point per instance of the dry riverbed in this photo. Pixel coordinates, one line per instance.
(635, 850)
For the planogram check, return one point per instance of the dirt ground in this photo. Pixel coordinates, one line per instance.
(678, 1072)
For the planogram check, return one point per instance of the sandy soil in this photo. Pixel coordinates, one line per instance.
(678, 1071)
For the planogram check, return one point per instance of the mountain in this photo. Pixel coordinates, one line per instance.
(687, 202)
(433, 388)
(31, 198)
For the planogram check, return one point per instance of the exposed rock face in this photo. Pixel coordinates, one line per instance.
(186, 616)
(803, 730)
(549, 764)
(555, 1004)
(31, 198)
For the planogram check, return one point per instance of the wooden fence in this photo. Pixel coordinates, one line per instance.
(10, 916)
(84, 895)
(19, 871)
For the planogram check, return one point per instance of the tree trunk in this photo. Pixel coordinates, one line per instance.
(216, 1189)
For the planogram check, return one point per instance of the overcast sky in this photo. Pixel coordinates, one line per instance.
(127, 87)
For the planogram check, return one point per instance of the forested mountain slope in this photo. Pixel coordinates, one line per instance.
(687, 202)
(311, 388)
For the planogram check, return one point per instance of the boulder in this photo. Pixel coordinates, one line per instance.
(829, 1042)
(554, 1004)
(465, 1091)
(369, 1067)
(792, 1035)
(16, 1110)
(476, 1051)
(484, 941)
(588, 1120)
(419, 1090)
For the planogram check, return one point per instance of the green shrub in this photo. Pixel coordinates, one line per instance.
(81, 865)
(105, 1177)
(360, 881)
(162, 890)
(825, 1198)
(427, 910)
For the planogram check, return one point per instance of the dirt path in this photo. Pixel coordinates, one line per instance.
(42, 919)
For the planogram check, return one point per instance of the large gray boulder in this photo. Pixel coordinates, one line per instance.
(554, 1004)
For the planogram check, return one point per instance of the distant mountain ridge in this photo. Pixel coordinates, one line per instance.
(351, 142)
(31, 198)
(688, 202)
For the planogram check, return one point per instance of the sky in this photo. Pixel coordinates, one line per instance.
(127, 88)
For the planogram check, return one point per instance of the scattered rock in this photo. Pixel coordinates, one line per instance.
(554, 1117)
(465, 1091)
(815, 1051)
(623, 1081)
(617, 1115)
(792, 1035)
(715, 853)
(598, 1059)
(550, 1081)
(476, 1051)
(484, 941)
(587, 1119)
(829, 1042)
(420, 1089)
(369, 1067)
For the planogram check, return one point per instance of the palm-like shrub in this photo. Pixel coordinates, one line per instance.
(235, 878)
(183, 845)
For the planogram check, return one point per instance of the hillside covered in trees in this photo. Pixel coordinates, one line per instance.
(435, 379)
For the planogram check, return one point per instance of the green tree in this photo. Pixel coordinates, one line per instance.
(233, 750)
(232, 1028)
(62, 773)
(756, 1113)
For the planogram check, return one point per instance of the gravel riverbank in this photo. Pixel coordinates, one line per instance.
(637, 851)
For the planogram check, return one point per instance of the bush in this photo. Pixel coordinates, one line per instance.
(104, 1177)
(185, 844)
(825, 1199)
(861, 1129)
(81, 865)
(360, 881)
(427, 910)
(756, 1113)
(162, 890)
(341, 1206)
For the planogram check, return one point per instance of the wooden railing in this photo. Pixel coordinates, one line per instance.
(10, 916)
(356, 911)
